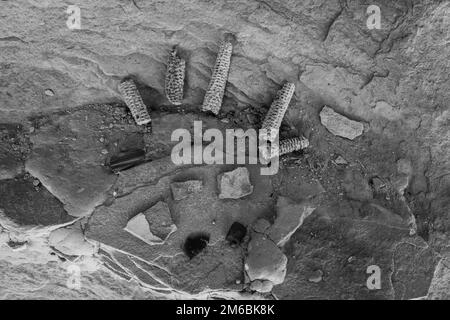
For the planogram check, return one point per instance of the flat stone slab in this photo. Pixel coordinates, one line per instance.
(138, 226)
(70, 241)
(234, 184)
(265, 261)
(340, 125)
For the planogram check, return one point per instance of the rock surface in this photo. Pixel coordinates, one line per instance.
(265, 261)
(339, 125)
(290, 216)
(138, 226)
(394, 79)
(234, 184)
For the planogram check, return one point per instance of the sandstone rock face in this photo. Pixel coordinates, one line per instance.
(339, 125)
(234, 184)
(263, 286)
(372, 210)
(138, 226)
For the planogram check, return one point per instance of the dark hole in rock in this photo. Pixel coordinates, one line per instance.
(236, 234)
(16, 244)
(195, 243)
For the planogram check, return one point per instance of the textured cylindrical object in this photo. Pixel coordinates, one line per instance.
(274, 117)
(293, 144)
(175, 78)
(216, 89)
(133, 100)
(285, 146)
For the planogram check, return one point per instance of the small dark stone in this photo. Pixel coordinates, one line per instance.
(195, 244)
(236, 234)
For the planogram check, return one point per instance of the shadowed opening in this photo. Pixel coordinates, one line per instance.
(195, 243)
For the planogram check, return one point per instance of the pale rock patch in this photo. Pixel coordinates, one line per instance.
(138, 226)
(340, 125)
(290, 216)
(234, 184)
(265, 261)
(182, 190)
(71, 241)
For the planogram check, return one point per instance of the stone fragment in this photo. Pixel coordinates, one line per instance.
(160, 220)
(340, 160)
(71, 241)
(340, 125)
(234, 184)
(265, 261)
(49, 92)
(138, 226)
(290, 216)
(263, 286)
(182, 190)
(316, 276)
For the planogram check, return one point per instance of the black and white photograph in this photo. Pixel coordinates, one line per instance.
(224, 156)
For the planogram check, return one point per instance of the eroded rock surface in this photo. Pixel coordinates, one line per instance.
(394, 80)
(339, 125)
